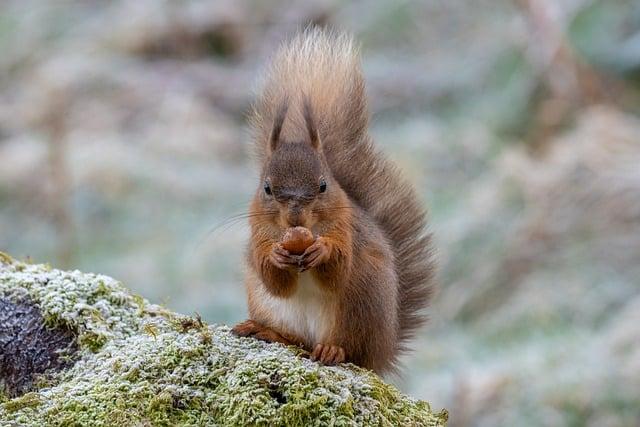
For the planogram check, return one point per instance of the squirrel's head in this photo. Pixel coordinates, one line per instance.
(296, 183)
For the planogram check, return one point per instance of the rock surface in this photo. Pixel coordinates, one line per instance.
(135, 363)
(29, 347)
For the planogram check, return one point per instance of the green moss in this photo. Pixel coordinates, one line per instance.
(6, 259)
(140, 364)
(93, 342)
(27, 400)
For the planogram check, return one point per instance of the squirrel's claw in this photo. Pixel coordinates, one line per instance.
(280, 250)
(328, 354)
(315, 254)
(282, 259)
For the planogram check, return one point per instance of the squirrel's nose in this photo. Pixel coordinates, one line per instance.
(294, 216)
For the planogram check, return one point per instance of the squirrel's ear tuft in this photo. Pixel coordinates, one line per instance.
(274, 139)
(314, 138)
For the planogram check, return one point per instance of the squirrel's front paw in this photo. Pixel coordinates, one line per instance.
(316, 254)
(283, 259)
(328, 354)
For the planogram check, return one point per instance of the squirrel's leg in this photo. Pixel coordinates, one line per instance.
(365, 329)
(330, 260)
(276, 267)
(251, 328)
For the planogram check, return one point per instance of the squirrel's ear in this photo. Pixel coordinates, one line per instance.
(274, 139)
(311, 127)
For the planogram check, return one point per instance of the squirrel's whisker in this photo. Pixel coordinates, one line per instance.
(231, 221)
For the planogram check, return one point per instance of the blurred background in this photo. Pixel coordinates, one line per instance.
(124, 151)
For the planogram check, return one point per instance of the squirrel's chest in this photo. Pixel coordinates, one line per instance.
(309, 313)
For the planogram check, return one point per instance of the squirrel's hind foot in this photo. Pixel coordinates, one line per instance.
(328, 354)
(251, 328)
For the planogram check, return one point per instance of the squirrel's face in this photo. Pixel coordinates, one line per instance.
(295, 184)
(297, 187)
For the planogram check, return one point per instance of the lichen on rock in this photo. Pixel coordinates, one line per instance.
(139, 364)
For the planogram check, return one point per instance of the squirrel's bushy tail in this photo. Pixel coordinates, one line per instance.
(324, 67)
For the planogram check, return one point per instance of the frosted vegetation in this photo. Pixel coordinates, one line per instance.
(517, 122)
(140, 364)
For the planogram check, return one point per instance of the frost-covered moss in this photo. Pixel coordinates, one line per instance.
(139, 364)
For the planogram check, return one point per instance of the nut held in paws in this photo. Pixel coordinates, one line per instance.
(297, 239)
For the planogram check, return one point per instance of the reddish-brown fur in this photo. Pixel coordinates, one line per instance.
(369, 272)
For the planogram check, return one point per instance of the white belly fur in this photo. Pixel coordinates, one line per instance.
(308, 314)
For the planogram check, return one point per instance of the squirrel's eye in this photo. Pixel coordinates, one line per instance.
(267, 188)
(323, 185)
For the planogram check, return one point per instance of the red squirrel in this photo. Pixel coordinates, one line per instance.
(357, 293)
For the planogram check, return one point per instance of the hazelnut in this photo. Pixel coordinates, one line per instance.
(297, 239)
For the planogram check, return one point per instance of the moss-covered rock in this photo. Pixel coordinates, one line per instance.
(136, 363)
